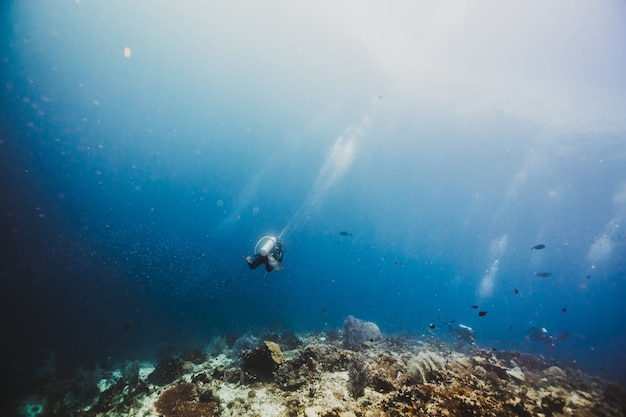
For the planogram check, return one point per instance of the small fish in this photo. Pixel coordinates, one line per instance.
(432, 326)
(474, 306)
(516, 291)
(539, 246)
(543, 274)
(564, 310)
(344, 233)
(398, 263)
(482, 313)
(127, 327)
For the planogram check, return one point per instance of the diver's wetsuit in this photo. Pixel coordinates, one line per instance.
(259, 259)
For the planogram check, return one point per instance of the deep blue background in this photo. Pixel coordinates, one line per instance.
(133, 187)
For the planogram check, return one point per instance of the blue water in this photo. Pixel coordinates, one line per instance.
(132, 186)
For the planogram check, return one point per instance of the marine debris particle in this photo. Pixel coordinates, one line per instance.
(482, 313)
(539, 246)
(543, 274)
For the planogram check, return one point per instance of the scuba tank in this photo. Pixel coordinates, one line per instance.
(268, 244)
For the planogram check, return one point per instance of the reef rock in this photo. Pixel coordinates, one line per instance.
(356, 332)
(323, 357)
(387, 373)
(262, 362)
(167, 371)
(555, 372)
(516, 373)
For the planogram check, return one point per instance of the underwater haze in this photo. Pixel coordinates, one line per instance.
(410, 155)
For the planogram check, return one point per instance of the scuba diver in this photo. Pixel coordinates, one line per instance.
(463, 332)
(269, 250)
(540, 334)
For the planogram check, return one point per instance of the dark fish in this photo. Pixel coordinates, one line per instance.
(539, 246)
(516, 291)
(543, 274)
(398, 263)
(564, 310)
(474, 306)
(432, 326)
(482, 313)
(127, 327)
(344, 233)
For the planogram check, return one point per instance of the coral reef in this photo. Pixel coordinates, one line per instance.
(356, 332)
(261, 363)
(182, 401)
(388, 373)
(168, 370)
(358, 375)
(245, 342)
(322, 357)
(121, 397)
(394, 377)
(289, 340)
(424, 367)
(194, 355)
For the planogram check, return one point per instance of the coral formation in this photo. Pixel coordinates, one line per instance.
(275, 353)
(356, 332)
(168, 370)
(181, 401)
(261, 363)
(424, 367)
(193, 355)
(289, 340)
(245, 342)
(394, 377)
(388, 373)
(121, 397)
(321, 357)
(358, 375)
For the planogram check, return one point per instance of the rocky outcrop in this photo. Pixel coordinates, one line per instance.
(261, 363)
(168, 370)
